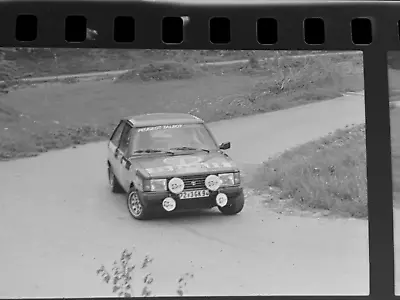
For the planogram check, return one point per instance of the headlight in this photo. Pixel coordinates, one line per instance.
(155, 185)
(228, 179)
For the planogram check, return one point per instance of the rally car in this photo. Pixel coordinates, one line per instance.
(171, 162)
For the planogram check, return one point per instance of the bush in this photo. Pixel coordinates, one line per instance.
(121, 278)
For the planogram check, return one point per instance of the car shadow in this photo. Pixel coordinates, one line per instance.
(205, 214)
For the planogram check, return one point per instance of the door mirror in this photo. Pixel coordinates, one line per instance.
(126, 163)
(225, 146)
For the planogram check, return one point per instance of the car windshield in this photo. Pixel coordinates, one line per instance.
(173, 138)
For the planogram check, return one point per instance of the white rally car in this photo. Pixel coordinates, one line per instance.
(171, 162)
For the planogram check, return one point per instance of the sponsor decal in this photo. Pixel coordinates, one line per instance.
(182, 161)
(189, 169)
(159, 127)
(194, 161)
(194, 164)
(160, 169)
(218, 165)
(188, 164)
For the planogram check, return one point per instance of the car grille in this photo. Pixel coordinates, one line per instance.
(194, 182)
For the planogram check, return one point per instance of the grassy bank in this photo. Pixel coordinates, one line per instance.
(39, 118)
(326, 175)
(36, 62)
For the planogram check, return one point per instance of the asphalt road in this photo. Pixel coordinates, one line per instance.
(59, 222)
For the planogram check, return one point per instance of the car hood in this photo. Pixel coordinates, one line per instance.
(185, 164)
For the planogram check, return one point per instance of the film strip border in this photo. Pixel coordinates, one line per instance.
(157, 25)
(173, 30)
(289, 34)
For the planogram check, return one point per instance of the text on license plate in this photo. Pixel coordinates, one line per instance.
(194, 194)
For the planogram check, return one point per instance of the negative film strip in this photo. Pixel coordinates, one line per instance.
(367, 26)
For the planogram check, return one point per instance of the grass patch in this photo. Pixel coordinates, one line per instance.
(327, 174)
(62, 114)
(289, 82)
(28, 62)
(160, 71)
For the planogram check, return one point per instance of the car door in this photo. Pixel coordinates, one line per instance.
(114, 155)
(124, 164)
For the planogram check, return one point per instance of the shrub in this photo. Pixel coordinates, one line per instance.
(121, 277)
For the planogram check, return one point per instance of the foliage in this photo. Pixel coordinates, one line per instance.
(122, 278)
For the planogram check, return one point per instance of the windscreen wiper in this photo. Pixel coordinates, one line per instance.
(190, 148)
(153, 151)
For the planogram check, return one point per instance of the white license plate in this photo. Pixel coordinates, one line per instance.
(194, 194)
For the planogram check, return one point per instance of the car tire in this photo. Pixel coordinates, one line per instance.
(135, 206)
(234, 207)
(114, 184)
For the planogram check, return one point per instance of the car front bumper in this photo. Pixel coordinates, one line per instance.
(153, 200)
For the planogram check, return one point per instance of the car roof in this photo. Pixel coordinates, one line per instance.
(156, 119)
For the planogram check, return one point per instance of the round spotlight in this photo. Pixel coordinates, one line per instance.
(176, 185)
(222, 199)
(169, 204)
(213, 182)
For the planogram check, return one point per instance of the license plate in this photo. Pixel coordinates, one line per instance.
(194, 194)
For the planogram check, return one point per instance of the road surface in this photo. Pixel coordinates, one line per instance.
(59, 222)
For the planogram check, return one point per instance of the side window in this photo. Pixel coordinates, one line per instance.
(115, 137)
(125, 139)
(133, 139)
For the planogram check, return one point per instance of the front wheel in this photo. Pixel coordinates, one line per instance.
(234, 207)
(135, 206)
